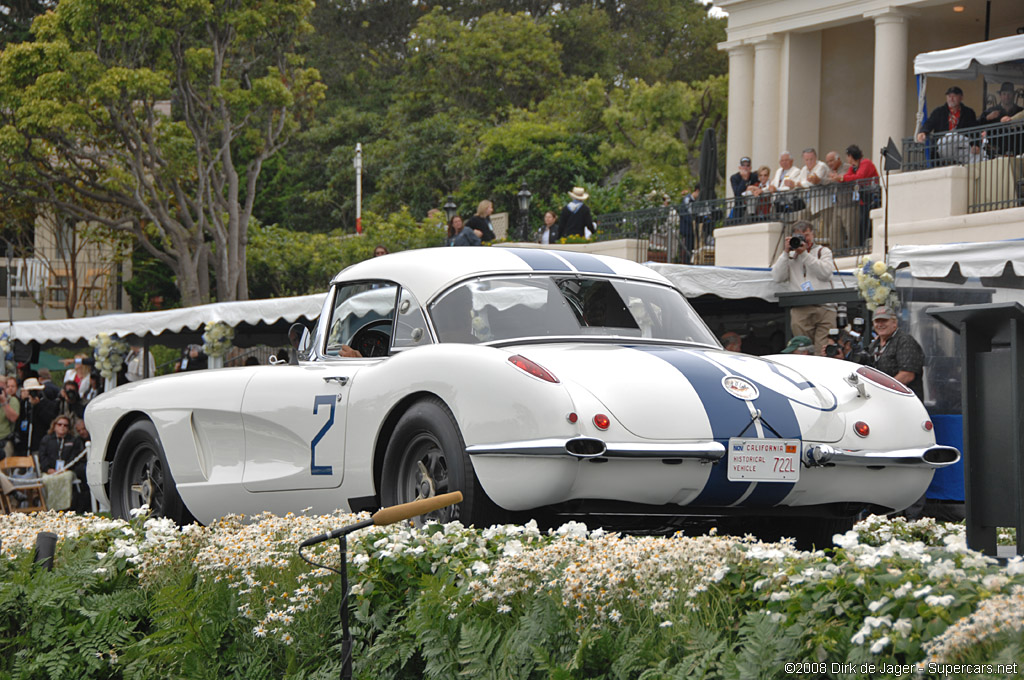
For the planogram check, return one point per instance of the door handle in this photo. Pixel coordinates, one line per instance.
(342, 380)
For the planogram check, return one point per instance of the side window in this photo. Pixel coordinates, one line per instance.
(411, 330)
(363, 318)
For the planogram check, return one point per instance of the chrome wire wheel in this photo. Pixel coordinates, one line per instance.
(145, 482)
(424, 473)
(426, 456)
(139, 475)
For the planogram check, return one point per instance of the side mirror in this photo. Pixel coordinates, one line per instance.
(300, 339)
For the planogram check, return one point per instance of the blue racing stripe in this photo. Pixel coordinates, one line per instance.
(540, 260)
(728, 417)
(586, 263)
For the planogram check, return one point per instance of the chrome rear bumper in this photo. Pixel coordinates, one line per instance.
(814, 455)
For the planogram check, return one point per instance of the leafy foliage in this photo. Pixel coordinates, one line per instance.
(143, 599)
(283, 262)
(86, 128)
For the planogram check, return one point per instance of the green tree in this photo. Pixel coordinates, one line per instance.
(437, 98)
(16, 18)
(654, 131)
(284, 262)
(86, 113)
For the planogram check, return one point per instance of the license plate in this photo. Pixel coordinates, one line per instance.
(764, 460)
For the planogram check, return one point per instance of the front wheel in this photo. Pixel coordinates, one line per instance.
(426, 457)
(140, 476)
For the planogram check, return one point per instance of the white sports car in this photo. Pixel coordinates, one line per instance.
(536, 382)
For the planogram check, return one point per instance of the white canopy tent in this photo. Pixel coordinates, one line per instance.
(255, 322)
(997, 61)
(984, 259)
(731, 283)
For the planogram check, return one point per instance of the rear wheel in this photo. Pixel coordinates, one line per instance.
(140, 476)
(426, 456)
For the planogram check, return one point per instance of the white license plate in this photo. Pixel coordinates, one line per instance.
(764, 460)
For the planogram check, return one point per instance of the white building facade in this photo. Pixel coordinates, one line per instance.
(830, 73)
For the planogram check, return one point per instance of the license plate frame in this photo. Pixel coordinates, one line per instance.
(753, 459)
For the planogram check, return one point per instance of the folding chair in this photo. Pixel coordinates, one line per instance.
(18, 489)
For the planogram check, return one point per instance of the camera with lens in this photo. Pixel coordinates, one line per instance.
(833, 349)
(841, 317)
(795, 241)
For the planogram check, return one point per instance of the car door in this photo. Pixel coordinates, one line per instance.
(294, 417)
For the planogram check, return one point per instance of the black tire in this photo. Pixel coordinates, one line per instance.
(426, 456)
(140, 476)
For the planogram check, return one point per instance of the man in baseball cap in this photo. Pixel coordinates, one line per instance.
(742, 178)
(897, 353)
(798, 344)
(950, 116)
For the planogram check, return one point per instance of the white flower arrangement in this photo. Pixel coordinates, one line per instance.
(217, 338)
(876, 284)
(109, 352)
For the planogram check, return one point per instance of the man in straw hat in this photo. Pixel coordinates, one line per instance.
(576, 219)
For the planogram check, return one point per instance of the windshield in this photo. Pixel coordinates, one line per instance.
(504, 308)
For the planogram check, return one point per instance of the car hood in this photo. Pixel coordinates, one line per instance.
(673, 392)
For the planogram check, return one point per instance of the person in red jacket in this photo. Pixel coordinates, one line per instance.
(865, 194)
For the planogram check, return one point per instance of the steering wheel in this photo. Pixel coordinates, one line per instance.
(371, 342)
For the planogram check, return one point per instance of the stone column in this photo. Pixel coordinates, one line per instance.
(741, 106)
(767, 78)
(891, 67)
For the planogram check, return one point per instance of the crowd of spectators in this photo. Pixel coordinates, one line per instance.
(836, 196)
(44, 419)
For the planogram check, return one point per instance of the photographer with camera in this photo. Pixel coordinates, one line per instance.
(807, 266)
(844, 343)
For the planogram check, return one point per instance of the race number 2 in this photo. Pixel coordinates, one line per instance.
(318, 401)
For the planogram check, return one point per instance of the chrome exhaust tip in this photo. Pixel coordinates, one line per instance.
(940, 456)
(585, 447)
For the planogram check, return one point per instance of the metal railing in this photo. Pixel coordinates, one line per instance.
(993, 155)
(685, 233)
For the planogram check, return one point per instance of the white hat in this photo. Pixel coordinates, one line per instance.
(579, 193)
(32, 384)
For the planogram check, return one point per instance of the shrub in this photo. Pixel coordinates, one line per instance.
(145, 599)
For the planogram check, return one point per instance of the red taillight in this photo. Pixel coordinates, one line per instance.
(572, 417)
(882, 380)
(861, 428)
(927, 425)
(602, 421)
(531, 367)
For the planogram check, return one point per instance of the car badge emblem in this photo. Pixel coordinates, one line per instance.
(739, 388)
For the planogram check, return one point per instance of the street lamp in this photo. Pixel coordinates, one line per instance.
(450, 208)
(524, 212)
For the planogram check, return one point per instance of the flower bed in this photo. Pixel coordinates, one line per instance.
(145, 599)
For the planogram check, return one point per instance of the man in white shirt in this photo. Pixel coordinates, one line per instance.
(786, 176)
(839, 211)
(812, 175)
(807, 266)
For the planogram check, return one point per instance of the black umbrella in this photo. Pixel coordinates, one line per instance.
(708, 165)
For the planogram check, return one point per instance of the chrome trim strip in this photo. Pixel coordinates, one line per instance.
(703, 450)
(708, 450)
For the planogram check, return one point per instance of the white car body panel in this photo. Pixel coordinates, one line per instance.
(284, 438)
